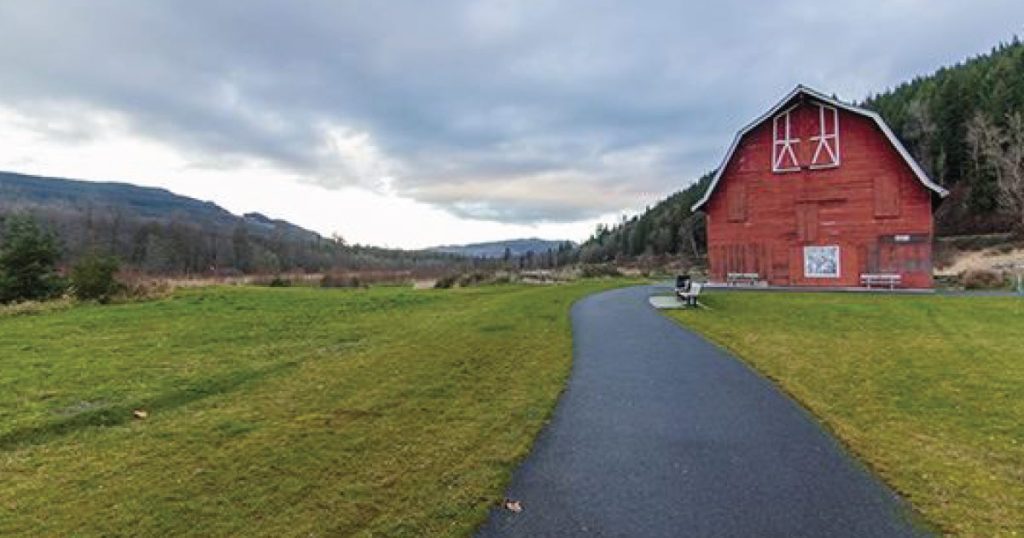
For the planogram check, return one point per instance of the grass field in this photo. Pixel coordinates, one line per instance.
(928, 390)
(276, 412)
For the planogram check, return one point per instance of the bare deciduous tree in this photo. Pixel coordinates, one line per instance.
(1001, 150)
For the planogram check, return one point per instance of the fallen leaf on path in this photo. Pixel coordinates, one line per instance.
(512, 506)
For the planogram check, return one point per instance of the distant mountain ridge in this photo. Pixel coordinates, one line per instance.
(497, 249)
(22, 191)
(146, 201)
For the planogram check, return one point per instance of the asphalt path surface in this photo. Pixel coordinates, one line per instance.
(660, 433)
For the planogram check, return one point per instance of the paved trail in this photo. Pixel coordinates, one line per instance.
(660, 433)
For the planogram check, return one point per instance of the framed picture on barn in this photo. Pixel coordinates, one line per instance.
(821, 261)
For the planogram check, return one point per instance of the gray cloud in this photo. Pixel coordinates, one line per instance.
(509, 111)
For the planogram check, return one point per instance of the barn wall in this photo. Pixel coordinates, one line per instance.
(871, 206)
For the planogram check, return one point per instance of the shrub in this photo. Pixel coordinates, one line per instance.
(502, 279)
(446, 282)
(339, 281)
(473, 279)
(596, 270)
(279, 282)
(28, 262)
(144, 289)
(94, 277)
(982, 279)
(1005, 249)
(366, 278)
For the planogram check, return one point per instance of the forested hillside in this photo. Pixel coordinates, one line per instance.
(667, 229)
(932, 116)
(159, 232)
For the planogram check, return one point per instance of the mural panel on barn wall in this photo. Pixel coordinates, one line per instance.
(821, 261)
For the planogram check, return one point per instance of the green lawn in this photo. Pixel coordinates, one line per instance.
(928, 390)
(277, 411)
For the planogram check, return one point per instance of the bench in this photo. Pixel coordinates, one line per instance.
(689, 294)
(890, 280)
(734, 279)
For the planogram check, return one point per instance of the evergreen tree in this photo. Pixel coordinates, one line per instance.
(94, 277)
(28, 261)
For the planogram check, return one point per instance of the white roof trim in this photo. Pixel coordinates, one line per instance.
(918, 171)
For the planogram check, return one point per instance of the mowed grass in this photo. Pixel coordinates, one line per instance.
(928, 390)
(277, 412)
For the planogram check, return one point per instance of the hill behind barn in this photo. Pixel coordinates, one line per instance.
(931, 115)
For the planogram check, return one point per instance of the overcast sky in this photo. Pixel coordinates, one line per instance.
(417, 123)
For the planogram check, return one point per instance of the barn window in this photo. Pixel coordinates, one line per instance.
(826, 142)
(783, 142)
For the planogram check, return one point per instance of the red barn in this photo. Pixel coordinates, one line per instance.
(817, 192)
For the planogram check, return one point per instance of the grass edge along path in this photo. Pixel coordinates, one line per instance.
(928, 391)
(278, 412)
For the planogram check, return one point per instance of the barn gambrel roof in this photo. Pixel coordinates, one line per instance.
(801, 89)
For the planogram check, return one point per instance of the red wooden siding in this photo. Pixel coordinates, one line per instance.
(871, 206)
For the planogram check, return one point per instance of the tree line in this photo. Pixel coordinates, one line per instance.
(50, 252)
(178, 246)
